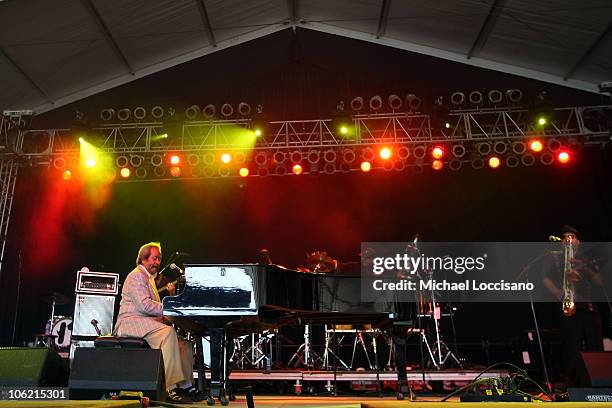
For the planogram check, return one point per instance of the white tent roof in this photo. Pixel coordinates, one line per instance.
(59, 51)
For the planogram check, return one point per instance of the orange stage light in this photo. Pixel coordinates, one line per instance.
(67, 175)
(494, 162)
(385, 153)
(125, 172)
(297, 169)
(437, 152)
(366, 166)
(563, 157)
(175, 171)
(175, 160)
(437, 165)
(226, 158)
(243, 172)
(536, 146)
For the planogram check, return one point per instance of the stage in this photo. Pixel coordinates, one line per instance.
(305, 402)
(340, 375)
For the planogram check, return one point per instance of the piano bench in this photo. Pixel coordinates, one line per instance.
(120, 342)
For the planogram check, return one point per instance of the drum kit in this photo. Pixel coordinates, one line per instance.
(58, 329)
(439, 354)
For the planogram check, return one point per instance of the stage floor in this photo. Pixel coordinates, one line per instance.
(314, 375)
(308, 402)
(386, 402)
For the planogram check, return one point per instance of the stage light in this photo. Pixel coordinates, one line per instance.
(66, 175)
(437, 152)
(563, 157)
(494, 162)
(125, 172)
(437, 165)
(157, 138)
(81, 140)
(243, 172)
(542, 120)
(447, 125)
(91, 162)
(258, 132)
(226, 158)
(343, 129)
(175, 160)
(535, 145)
(175, 171)
(297, 169)
(385, 153)
(366, 166)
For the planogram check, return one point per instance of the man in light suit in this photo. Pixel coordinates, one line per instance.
(140, 315)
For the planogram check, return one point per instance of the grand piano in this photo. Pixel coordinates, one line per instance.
(226, 300)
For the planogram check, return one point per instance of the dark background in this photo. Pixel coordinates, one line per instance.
(56, 229)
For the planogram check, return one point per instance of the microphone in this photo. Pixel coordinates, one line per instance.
(94, 323)
(182, 253)
(554, 238)
(176, 268)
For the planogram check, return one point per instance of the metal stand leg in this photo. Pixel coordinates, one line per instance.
(304, 354)
(329, 340)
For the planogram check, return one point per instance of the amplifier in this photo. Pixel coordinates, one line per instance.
(97, 282)
(93, 307)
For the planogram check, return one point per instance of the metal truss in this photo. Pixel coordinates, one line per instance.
(591, 124)
(8, 176)
(512, 124)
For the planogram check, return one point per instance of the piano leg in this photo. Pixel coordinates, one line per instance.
(403, 389)
(199, 360)
(218, 365)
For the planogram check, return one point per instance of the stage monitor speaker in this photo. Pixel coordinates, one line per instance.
(96, 372)
(594, 369)
(32, 367)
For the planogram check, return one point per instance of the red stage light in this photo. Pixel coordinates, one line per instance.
(494, 162)
(297, 169)
(385, 153)
(563, 157)
(437, 152)
(366, 166)
(243, 172)
(175, 171)
(125, 172)
(67, 175)
(437, 165)
(226, 158)
(536, 145)
(175, 160)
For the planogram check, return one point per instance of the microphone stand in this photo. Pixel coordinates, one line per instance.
(525, 273)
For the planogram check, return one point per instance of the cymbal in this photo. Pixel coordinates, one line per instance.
(319, 261)
(55, 296)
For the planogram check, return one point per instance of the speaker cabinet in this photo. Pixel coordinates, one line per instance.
(594, 369)
(32, 367)
(89, 307)
(96, 372)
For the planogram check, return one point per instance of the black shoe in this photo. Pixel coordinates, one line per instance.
(193, 393)
(175, 396)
